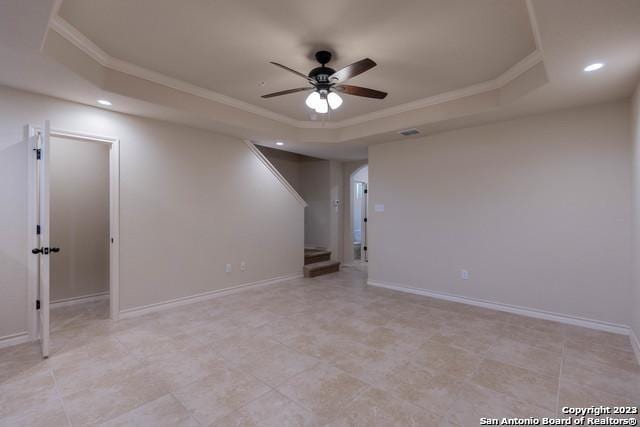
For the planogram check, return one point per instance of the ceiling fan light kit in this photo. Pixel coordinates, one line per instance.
(326, 82)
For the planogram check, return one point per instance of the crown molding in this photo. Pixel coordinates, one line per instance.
(535, 29)
(79, 40)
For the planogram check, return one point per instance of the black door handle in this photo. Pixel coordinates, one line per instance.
(44, 251)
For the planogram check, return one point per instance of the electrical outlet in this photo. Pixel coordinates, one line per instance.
(464, 274)
(227, 268)
(243, 266)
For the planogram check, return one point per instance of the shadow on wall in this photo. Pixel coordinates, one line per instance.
(13, 251)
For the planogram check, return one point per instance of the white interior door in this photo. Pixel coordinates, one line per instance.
(43, 250)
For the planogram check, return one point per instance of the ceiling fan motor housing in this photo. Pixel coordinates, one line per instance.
(321, 74)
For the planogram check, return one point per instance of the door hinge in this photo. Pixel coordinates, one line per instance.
(365, 220)
(37, 304)
(365, 248)
(38, 229)
(366, 191)
(38, 153)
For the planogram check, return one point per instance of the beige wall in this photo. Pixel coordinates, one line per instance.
(79, 218)
(314, 189)
(635, 299)
(538, 210)
(190, 202)
(287, 163)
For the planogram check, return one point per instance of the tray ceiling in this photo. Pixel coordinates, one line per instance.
(423, 48)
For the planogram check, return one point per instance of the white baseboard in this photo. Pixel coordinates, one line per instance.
(79, 300)
(151, 308)
(635, 343)
(523, 311)
(14, 339)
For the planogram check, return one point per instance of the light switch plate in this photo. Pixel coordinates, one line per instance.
(379, 208)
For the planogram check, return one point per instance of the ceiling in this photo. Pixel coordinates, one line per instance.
(423, 47)
(39, 53)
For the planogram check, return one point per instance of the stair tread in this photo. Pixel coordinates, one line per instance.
(321, 264)
(316, 252)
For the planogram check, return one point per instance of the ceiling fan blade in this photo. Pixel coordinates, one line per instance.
(361, 91)
(352, 70)
(286, 92)
(291, 70)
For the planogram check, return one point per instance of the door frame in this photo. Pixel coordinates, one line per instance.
(30, 132)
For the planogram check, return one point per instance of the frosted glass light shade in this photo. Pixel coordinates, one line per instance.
(322, 106)
(334, 100)
(312, 100)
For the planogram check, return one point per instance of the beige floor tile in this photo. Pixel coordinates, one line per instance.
(27, 390)
(575, 396)
(98, 349)
(549, 341)
(323, 390)
(592, 337)
(625, 359)
(599, 376)
(475, 403)
(433, 392)
(335, 349)
(469, 340)
(519, 383)
(87, 373)
(113, 395)
(525, 356)
(48, 413)
(367, 363)
(376, 408)
(78, 315)
(273, 363)
(147, 341)
(165, 411)
(269, 410)
(444, 359)
(180, 368)
(18, 359)
(219, 394)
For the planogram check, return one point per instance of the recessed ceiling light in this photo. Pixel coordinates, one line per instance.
(279, 143)
(104, 102)
(593, 67)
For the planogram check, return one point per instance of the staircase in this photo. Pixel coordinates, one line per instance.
(318, 262)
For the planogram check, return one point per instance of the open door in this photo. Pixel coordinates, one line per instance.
(365, 193)
(42, 249)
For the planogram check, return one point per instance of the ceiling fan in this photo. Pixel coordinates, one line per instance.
(326, 83)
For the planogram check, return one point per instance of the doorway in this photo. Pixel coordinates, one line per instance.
(73, 230)
(359, 193)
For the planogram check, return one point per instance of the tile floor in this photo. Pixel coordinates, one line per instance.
(323, 351)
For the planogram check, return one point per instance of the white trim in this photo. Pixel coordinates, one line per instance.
(535, 29)
(75, 37)
(30, 138)
(177, 302)
(14, 339)
(65, 302)
(256, 151)
(114, 210)
(523, 311)
(635, 343)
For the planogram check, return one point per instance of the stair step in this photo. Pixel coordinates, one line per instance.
(316, 255)
(320, 268)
